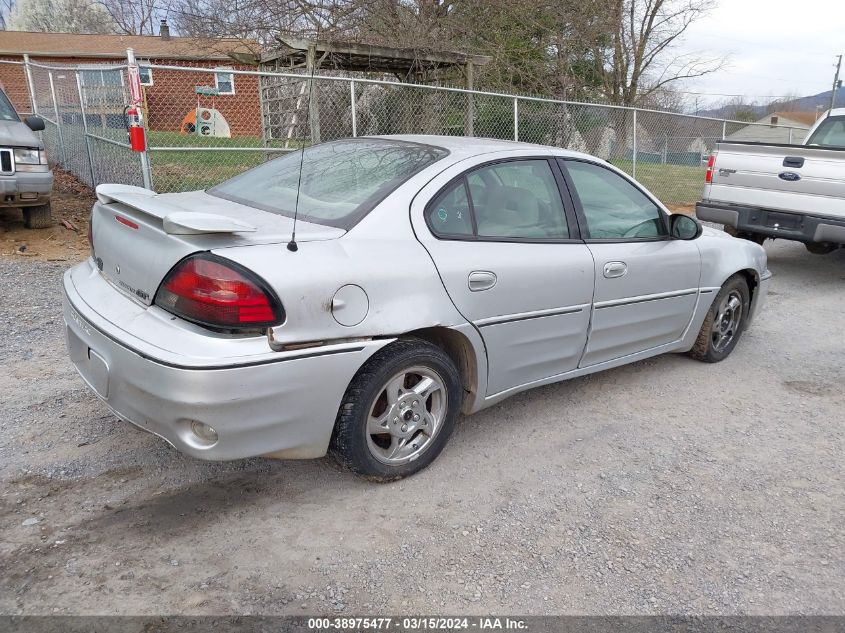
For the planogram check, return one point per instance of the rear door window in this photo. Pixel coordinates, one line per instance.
(514, 200)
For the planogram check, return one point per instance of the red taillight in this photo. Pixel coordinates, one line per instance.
(212, 291)
(708, 177)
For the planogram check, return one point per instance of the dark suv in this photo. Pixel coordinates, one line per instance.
(25, 176)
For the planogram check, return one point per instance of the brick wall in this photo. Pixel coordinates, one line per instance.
(171, 96)
(13, 82)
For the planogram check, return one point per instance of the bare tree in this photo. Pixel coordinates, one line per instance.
(138, 17)
(6, 7)
(68, 16)
(638, 58)
(260, 20)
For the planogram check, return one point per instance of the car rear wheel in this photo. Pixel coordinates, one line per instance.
(398, 412)
(40, 217)
(725, 322)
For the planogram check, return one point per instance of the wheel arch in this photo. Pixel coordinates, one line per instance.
(752, 278)
(462, 352)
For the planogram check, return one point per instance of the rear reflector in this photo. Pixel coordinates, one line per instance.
(215, 292)
(708, 177)
(126, 222)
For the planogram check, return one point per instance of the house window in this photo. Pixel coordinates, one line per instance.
(146, 74)
(224, 82)
(94, 77)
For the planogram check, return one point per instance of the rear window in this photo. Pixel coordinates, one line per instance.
(830, 133)
(7, 112)
(341, 181)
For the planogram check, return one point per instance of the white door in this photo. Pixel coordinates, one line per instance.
(646, 282)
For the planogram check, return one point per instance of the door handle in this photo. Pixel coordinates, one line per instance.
(615, 269)
(481, 280)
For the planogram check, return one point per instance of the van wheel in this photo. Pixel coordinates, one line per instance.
(398, 412)
(40, 217)
(724, 323)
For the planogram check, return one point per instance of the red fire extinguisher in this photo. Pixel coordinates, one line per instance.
(137, 140)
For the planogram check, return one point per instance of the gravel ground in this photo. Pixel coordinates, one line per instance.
(669, 486)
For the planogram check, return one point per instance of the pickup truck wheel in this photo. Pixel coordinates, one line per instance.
(398, 412)
(40, 217)
(724, 323)
(820, 248)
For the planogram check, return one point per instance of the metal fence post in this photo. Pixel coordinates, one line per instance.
(94, 182)
(58, 119)
(790, 136)
(724, 130)
(354, 113)
(515, 119)
(634, 145)
(30, 84)
(469, 122)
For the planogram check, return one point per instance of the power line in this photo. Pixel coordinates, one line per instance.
(721, 94)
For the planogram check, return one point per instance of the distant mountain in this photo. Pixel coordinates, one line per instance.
(801, 104)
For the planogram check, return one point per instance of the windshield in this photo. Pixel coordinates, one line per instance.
(830, 133)
(7, 112)
(341, 181)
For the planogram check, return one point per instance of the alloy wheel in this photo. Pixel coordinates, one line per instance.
(406, 415)
(727, 322)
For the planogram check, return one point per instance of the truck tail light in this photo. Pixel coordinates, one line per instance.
(218, 293)
(708, 177)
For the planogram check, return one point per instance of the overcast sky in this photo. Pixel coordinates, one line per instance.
(776, 47)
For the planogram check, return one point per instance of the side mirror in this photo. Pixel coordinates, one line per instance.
(35, 123)
(683, 227)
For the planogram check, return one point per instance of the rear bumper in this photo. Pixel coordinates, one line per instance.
(25, 189)
(283, 404)
(776, 224)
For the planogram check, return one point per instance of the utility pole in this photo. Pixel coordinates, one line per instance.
(835, 84)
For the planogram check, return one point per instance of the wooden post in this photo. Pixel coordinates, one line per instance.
(470, 111)
(313, 101)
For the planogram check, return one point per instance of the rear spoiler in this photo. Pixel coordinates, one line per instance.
(175, 220)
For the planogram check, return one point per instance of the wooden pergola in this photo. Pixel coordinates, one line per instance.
(407, 65)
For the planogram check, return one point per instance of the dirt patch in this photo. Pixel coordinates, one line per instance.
(71, 204)
(686, 209)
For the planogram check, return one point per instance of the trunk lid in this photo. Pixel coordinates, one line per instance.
(139, 235)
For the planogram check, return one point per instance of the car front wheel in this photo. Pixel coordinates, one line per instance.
(398, 412)
(724, 323)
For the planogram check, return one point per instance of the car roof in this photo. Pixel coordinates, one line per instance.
(463, 146)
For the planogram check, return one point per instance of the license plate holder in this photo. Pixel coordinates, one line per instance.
(91, 365)
(787, 221)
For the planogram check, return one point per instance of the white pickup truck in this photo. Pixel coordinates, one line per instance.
(792, 192)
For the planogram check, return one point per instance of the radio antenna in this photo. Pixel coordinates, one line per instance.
(292, 246)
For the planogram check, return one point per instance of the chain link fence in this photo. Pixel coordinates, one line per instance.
(206, 124)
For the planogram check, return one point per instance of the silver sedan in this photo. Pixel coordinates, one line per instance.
(427, 277)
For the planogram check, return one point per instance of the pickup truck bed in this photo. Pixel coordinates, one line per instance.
(794, 192)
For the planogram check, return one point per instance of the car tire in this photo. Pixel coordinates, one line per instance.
(720, 333)
(416, 424)
(40, 217)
